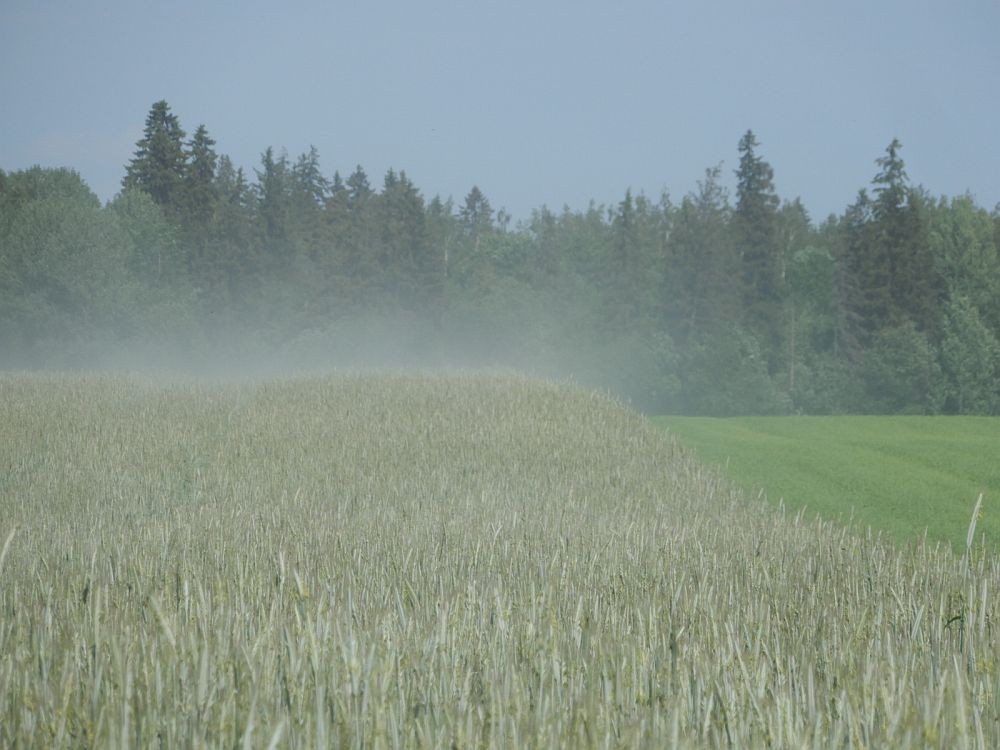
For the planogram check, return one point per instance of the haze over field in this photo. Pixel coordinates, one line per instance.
(745, 205)
(708, 209)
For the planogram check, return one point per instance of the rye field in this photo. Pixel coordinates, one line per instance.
(904, 476)
(417, 560)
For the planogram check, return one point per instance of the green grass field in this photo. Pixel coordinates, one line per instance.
(903, 475)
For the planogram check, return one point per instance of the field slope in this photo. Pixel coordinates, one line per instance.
(462, 561)
(901, 475)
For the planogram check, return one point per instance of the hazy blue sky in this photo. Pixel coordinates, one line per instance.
(536, 102)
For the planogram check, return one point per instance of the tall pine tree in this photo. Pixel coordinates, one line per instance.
(411, 273)
(233, 259)
(703, 278)
(308, 197)
(273, 199)
(756, 225)
(625, 265)
(200, 195)
(476, 214)
(159, 163)
(900, 233)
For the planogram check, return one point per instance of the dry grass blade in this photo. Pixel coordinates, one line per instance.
(970, 537)
(6, 547)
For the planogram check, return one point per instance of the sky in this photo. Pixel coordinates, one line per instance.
(537, 103)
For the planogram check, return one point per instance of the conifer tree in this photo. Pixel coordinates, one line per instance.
(756, 224)
(308, 197)
(158, 165)
(307, 178)
(199, 183)
(232, 191)
(230, 257)
(703, 277)
(358, 188)
(900, 234)
(337, 184)
(867, 298)
(356, 234)
(273, 192)
(624, 262)
(410, 271)
(442, 231)
(469, 261)
(336, 207)
(476, 214)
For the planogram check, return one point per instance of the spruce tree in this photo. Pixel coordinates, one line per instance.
(442, 231)
(888, 229)
(308, 197)
(624, 270)
(356, 233)
(900, 231)
(890, 183)
(307, 178)
(475, 217)
(159, 163)
(234, 258)
(358, 188)
(867, 296)
(703, 278)
(199, 181)
(273, 198)
(476, 214)
(756, 225)
(409, 271)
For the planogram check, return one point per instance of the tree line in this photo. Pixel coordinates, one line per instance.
(715, 304)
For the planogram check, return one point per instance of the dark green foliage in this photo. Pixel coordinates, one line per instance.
(273, 193)
(632, 275)
(158, 257)
(358, 188)
(229, 259)
(810, 311)
(901, 374)
(701, 307)
(160, 162)
(702, 273)
(970, 358)
(353, 212)
(200, 196)
(756, 226)
(476, 214)
(410, 269)
(889, 253)
(866, 264)
(966, 257)
(63, 262)
(309, 186)
(307, 197)
(726, 374)
(469, 262)
(826, 384)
